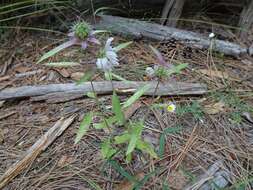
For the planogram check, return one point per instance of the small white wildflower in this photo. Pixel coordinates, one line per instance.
(211, 35)
(171, 107)
(150, 72)
(109, 57)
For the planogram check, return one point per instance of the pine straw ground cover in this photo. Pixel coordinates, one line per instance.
(210, 128)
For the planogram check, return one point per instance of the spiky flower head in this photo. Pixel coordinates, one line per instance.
(81, 30)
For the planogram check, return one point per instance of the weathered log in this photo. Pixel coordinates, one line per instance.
(105, 87)
(139, 29)
(35, 150)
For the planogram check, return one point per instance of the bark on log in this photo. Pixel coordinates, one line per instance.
(172, 11)
(139, 29)
(105, 87)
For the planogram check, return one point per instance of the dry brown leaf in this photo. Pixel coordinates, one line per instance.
(21, 69)
(64, 160)
(63, 72)
(177, 180)
(214, 108)
(128, 185)
(76, 76)
(214, 73)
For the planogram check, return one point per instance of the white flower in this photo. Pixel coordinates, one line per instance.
(211, 35)
(171, 107)
(150, 72)
(109, 57)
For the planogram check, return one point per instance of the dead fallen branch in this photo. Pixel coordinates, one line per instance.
(35, 150)
(139, 29)
(70, 90)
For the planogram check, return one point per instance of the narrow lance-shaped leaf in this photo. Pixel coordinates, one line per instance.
(108, 122)
(177, 69)
(136, 96)
(116, 107)
(136, 130)
(122, 46)
(107, 150)
(118, 77)
(162, 140)
(84, 127)
(56, 50)
(122, 138)
(146, 147)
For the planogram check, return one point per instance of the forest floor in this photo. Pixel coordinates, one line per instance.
(214, 128)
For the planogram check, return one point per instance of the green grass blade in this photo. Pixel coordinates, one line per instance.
(122, 46)
(136, 96)
(122, 171)
(84, 127)
(116, 107)
(56, 50)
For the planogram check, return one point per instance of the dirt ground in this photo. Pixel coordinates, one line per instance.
(217, 130)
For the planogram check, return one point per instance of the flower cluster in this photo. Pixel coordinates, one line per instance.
(107, 57)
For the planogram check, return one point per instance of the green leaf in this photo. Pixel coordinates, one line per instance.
(62, 64)
(101, 125)
(108, 75)
(84, 127)
(161, 145)
(136, 96)
(177, 69)
(107, 150)
(116, 107)
(140, 183)
(146, 147)
(122, 138)
(162, 140)
(109, 121)
(122, 46)
(122, 171)
(91, 95)
(99, 31)
(136, 130)
(171, 130)
(119, 77)
(86, 76)
(129, 158)
(56, 50)
(165, 186)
